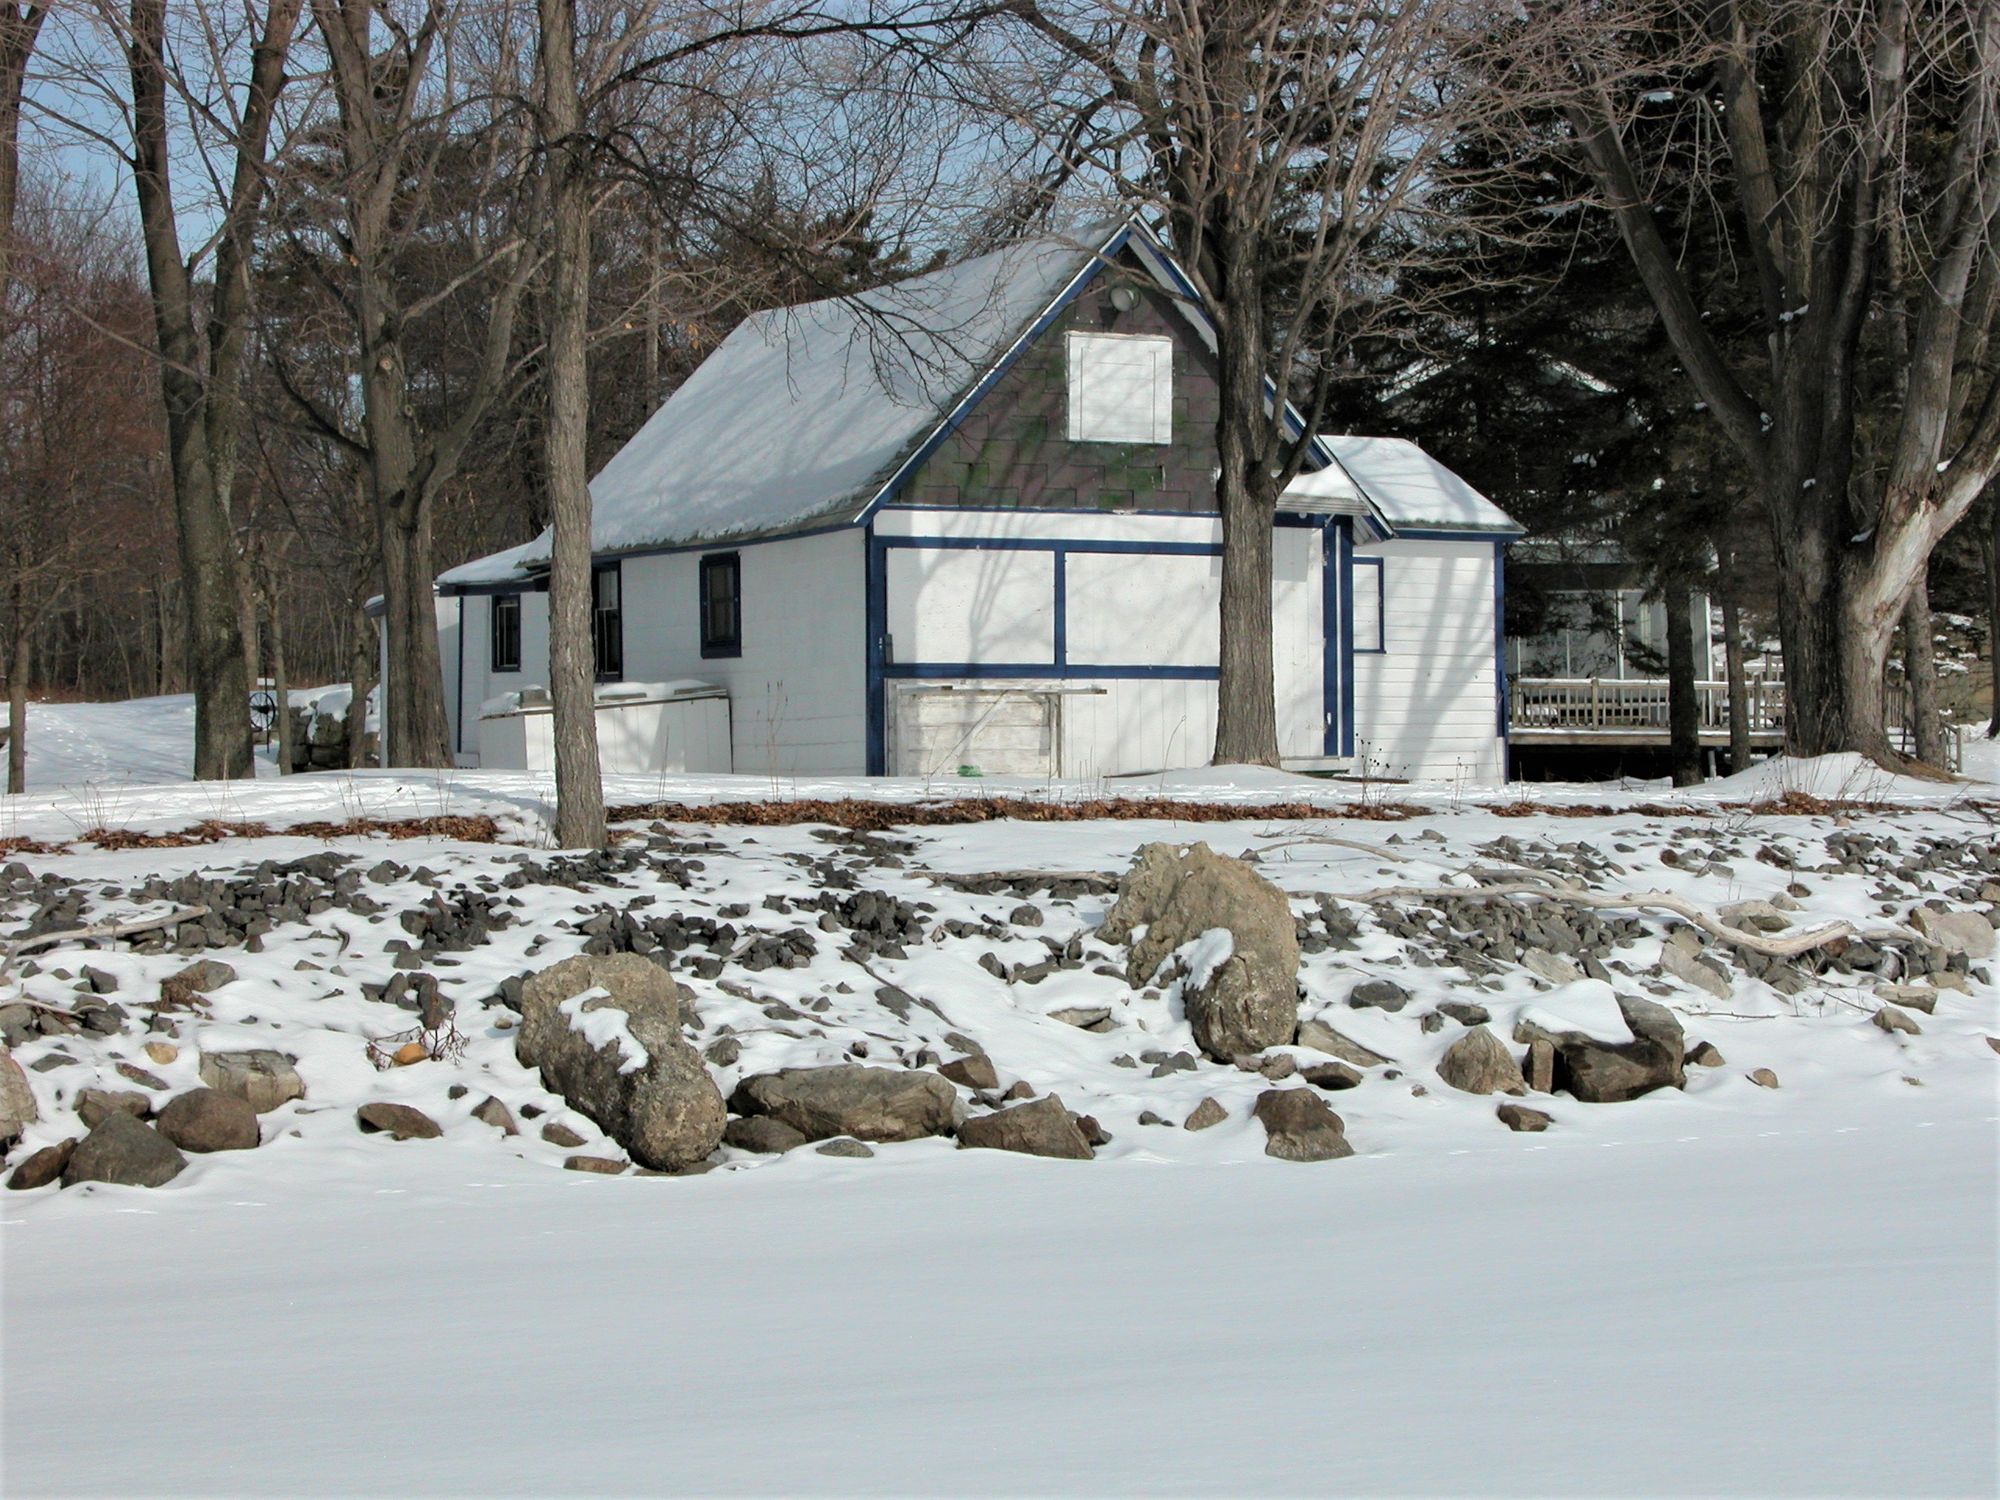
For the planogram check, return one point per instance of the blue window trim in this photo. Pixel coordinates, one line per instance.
(1381, 647)
(494, 663)
(615, 567)
(881, 668)
(1345, 624)
(1500, 651)
(717, 648)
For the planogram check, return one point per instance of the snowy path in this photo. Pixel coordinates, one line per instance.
(138, 742)
(1804, 1309)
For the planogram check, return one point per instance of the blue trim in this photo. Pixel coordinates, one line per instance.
(1444, 534)
(1068, 672)
(1057, 545)
(537, 581)
(1346, 623)
(458, 689)
(876, 594)
(1062, 605)
(713, 648)
(1500, 649)
(1381, 646)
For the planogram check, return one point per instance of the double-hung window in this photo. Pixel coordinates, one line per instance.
(721, 584)
(607, 623)
(506, 632)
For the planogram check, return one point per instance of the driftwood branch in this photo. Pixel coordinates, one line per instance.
(101, 930)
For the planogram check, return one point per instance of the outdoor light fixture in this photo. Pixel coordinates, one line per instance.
(1124, 298)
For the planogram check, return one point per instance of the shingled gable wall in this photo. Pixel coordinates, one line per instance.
(1012, 450)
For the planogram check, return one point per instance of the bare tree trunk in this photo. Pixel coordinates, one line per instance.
(361, 678)
(416, 732)
(281, 684)
(1683, 696)
(1920, 682)
(1728, 582)
(17, 696)
(1991, 548)
(19, 28)
(1246, 710)
(572, 668)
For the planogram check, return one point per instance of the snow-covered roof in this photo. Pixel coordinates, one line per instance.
(802, 413)
(1406, 487)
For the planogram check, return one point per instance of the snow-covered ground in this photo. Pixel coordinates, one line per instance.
(1720, 1289)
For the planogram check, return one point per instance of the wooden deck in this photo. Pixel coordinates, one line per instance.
(1608, 713)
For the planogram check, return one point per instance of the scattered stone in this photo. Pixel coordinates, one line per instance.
(1093, 1132)
(42, 1167)
(763, 1134)
(558, 1134)
(871, 1104)
(1082, 1016)
(1331, 1075)
(1600, 1072)
(1020, 1088)
(1704, 1055)
(409, 1052)
(1321, 1037)
(162, 1052)
(202, 976)
(1755, 916)
(1550, 966)
(1910, 996)
(1465, 1012)
(1520, 1117)
(1026, 915)
(1541, 1071)
(1892, 1020)
(92, 1105)
(490, 1111)
(604, 1166)
(131, 1071)
(1479, 1063)
(266, 1079)
(1966, 932)
(1378, 994)
(1249, 1001)
(844, 1145)
(1041, 1127)
(17, 1099)
(661, 1106)
(1691, 969)
(974, 1072)
(1151, 1117)
(1764, 1078)
(1205, 1114)
(724, 1051)
(400, 1121)
(122, 1151)
(204, 1120)
(1299, 1126)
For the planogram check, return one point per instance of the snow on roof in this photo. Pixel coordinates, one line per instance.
(1407, 487)
(801, 413)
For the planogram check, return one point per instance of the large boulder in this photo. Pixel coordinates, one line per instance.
(1041, 1127)
(1479, 1063)
(1242, 994)
(870, 1104)
(209, 1120)
(605, 1031)
(17, 1100)
(1601, 1072)
(123, 1151)
(1966, 932)
(263, 1078)
(1299, 1127)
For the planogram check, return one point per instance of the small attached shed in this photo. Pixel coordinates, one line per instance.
(966, 524)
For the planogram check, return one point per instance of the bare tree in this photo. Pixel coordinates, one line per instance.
(1854, 148)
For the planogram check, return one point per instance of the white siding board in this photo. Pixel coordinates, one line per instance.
(967, 605)
(1143, 610)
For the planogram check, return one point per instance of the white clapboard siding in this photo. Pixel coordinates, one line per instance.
(1130, 609)
(1427, 706)
(966, 605)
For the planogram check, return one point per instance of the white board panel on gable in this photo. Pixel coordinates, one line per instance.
(1131, 609)
(1121, 388)
(968, 605)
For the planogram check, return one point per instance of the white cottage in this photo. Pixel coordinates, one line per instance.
(966, 523)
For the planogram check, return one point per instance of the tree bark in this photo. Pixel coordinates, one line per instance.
(361, 679)
(1920, 682)
(1728, 583)
(1683, 694)
(17, 697)
(1992, 551)
(580, 822)
(281, 685)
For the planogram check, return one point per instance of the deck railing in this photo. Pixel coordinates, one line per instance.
(1633, 704)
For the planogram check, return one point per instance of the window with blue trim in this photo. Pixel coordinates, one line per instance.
(607, 623)
(1370, 635)
(722, 604)
(506, 632)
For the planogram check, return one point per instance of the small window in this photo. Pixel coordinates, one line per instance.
(506, 632)
(1121, 388)
(1368, 628)
(722, 605)
(607, 623)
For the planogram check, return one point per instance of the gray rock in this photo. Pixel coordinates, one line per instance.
(400, 1121)
(1041, 1127)
(203, 975)
(603, 1166)
(40, 1168)
(762, 1134)
(17, 1099)
(1299, 1127)
(1250, 1000)
(266, 1079)
(1540, 1074)
(1082, 1016)
(209, 1120)
(122, 1151)
(1691, 969)
(843, 1145)
(1520, 1117)
(1550, 966)
(92, 1105)
(1378, 994)
(1479, 1063)
(1910, 996)
(975, 1072)
(1601, 1072)
(1966, 932)
(1331, 1075)
(1321, 1037)
(724, 1051)
(1892, 1020)
(1704, 1055)
(1764, 1078)
(558, 1134)
(871, 1104)
(1754, 916)
(1204, 1115)
(490, 1111)
(662, 1107)
(1465, 1012)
